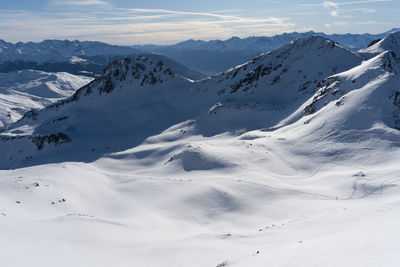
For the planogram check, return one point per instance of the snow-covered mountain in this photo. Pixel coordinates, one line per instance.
(390, 43)
(76, 57)
(130, 100)
(214, 56)
(356, 103)
(289, 159)
(22, 91)
(257, 94)
(272, 86)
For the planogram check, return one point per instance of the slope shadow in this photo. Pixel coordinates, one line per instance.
(22, 152)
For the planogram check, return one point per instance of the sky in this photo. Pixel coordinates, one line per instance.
(129, 22)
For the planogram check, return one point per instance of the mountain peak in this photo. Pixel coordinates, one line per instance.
(315, 41)
(311, 50)
(234, 38)
(120, 74)
(140, 68)
(392, 42)
(389, 43)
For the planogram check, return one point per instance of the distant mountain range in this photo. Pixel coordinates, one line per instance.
(192, 59)
(76, 57)
(216, 56)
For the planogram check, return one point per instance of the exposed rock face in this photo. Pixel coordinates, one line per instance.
(56, 139)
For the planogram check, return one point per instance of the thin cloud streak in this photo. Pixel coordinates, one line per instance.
(364, 2)
(372, 22)
(137, 26)
(327, 4)
(79, 3)
(334, 6)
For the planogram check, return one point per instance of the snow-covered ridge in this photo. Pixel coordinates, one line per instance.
(129, 72)
(335, 87)
(389, 43)
(312, 50)
(21, 91)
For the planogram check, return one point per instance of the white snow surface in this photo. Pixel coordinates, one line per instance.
(143, 167)
(390, 43)
(21, 91)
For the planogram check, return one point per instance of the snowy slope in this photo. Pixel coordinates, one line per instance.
(128, 171)
(21, 91)
(368, 87)
(262, 92)
(390, 43)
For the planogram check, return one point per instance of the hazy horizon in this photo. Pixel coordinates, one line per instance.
(206, 40)
(125, 22)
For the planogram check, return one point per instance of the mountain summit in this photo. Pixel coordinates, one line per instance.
(389, 43)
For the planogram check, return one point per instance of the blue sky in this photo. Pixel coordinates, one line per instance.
(170, 21)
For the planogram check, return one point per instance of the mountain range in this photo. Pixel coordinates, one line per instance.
(288, 159)
(87, 58)
(215, 56)
(190, 58)
(265, 92)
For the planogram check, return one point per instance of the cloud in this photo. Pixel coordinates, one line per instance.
(363, 2)
(135, 26)
(334, 13)
(364, 10)
(335, 7)
(328, 4)
(331, 5)
(336, 23)
(371, 22)
(340, 23)
(79, 3)
(306, 13)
